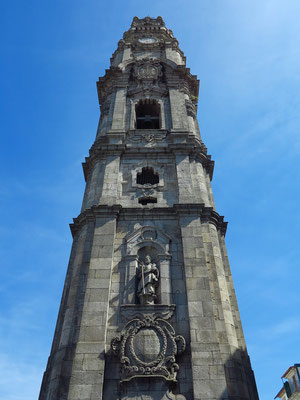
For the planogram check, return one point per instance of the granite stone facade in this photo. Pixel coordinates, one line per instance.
(148, 310)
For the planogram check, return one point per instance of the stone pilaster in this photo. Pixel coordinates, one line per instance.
(89, 358)
(184, 179)
(110, 180)
(207, 365)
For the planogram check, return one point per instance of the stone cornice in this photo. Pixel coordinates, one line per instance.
(181, 77)
(189, 145)
(206, 214)
(92, 213)
(205, 160)
(114, 77)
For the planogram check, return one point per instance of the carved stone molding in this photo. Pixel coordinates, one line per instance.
(134, 240)
(147, 74)
(147, 69)
(148, 137)
(104, 108)
(147, 348)
(147, 89)
(190, 108)
(131, 311)
(147, 236)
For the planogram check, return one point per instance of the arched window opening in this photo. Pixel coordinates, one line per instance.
(147, 176)
(147, 114)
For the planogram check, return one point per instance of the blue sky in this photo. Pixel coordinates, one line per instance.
(247, 57)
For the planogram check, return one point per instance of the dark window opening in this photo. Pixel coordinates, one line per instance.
(147, 114)
(147, 176)
(146, 200)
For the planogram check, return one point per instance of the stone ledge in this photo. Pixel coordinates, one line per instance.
(206, 214)
(192, 148)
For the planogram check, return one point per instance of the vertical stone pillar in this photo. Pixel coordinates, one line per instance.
(129, 279)
(177, 110)
(199, 183)
(207, 366)
(94, 186)
(232, 296)
(110, 180)
(132, 114)
(59, 368)
(162, 114)
(217, 265)
(118, 121)
(184, 179)
(165, 279)
(89, 359)
(209, 190)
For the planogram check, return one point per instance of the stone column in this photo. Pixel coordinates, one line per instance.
(165, 279)
(162, 114)
(132, 114)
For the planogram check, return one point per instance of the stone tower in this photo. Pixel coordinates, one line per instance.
(148, 309)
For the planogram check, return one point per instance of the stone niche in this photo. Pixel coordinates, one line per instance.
(147, 241)
(147, 345)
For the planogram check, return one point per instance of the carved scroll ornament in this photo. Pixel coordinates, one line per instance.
(147, 347)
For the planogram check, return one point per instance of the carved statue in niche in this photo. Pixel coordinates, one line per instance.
(148, 275)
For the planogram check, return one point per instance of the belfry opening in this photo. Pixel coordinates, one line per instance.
(147, 112)
(147, 176)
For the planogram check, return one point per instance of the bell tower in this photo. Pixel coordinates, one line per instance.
(148, 310)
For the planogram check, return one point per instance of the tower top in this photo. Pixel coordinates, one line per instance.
(149, 58)
(149, 25)
(148, 37)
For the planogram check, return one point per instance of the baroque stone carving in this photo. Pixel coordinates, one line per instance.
(190, 108)
(147, 236)
(132, 311)
(148, 275)
(148, 191)
(150, 138)
(147, 74)
(104, 108)
(147, 347)
(147, 70)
